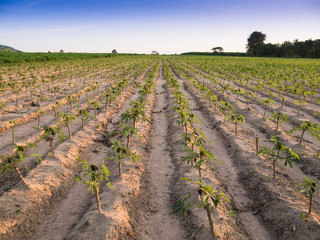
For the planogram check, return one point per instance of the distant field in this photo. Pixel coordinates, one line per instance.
(17, 57)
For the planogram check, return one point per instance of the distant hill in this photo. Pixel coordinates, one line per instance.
(7, 47)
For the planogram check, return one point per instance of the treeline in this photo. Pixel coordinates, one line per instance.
(304, 49)
(18, 57)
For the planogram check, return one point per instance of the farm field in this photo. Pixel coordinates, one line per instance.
(160, 147)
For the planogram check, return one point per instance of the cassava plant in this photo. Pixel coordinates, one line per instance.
(209, 198)
(12, 162)
(84, 115)
(71, 99)
(279, 117)
(120, 153)
(135, 113)
(66, 119)
(266, 102)
(49, 135)
(96, 106)
(308, 188)
(13, 125)
(278, 151)
(39, 113)
(304, 126)
(236, 118)
(95, 176)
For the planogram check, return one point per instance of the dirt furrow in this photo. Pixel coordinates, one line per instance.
(162, 224)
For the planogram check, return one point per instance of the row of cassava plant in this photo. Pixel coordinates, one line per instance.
(96, 175)
(71, 98)
(68, 117)
(198, 155)
(220, 105)
(50, 133)
(129, 119)
(281, 152)
(277, 115)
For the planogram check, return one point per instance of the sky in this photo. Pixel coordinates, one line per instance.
(141, 26)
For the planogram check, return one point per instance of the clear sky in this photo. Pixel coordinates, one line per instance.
(140, 26)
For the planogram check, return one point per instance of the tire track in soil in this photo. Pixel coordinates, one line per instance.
(161, 223)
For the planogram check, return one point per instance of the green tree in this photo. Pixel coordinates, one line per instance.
(255, 40)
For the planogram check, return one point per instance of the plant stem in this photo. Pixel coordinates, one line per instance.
(301, 138)
(120, 168)
(236, 124)
(282, 103)
(20, 175)
(257, 145)
(98, 200)
(51, 146)
(68, 126)
(210, 219)
(264, 114)
(310, 204)
(278, 123)
(13, 137)
(274, 164)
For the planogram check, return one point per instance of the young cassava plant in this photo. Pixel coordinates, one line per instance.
(236, 118)
(95, 176)
(84, 115)
(308, 188)
(279, 118)
(209, 198)
(120, 153)
(278, 151)
(313, 128)
(49, 135)
(66, 119)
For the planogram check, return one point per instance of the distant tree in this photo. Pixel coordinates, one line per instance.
(61, 51)
(217, 49)
(114, 51)
(255, 40)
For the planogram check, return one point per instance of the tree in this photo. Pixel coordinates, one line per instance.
(255, 40)
(217, 49)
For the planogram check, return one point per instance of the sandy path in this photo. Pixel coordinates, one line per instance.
(162, 224)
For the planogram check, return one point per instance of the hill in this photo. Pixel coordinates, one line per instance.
(7, 47)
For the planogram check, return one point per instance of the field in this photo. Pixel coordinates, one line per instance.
(160, 147)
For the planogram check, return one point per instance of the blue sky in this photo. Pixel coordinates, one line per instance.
(167, 26)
